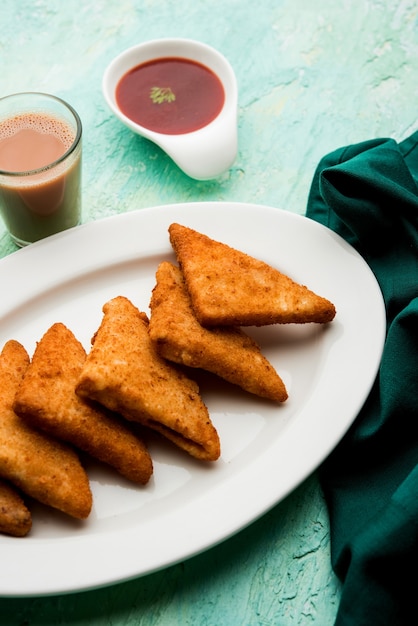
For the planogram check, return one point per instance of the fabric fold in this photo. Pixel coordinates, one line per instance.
(368, 194)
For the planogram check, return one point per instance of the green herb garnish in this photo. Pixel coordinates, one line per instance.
(161, 94)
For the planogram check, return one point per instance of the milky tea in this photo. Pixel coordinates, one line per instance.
(40, 166)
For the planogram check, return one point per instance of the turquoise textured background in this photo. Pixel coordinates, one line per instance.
(312, 77)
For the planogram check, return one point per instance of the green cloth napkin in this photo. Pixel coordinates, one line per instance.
(368, 193)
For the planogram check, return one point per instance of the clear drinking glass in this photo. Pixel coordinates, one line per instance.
(40, 166)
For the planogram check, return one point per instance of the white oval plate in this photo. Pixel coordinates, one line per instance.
(267, 450)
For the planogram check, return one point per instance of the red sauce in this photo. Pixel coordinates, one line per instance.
(170, 95)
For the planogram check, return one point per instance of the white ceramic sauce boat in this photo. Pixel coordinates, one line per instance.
(202, 154)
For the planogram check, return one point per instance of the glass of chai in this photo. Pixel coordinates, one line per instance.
(40, 166)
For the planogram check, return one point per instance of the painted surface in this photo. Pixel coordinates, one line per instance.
(312, 77)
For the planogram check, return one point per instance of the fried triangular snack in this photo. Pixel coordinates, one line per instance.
(47, 400)
(225, 351)
(43, 468)
(15, 517)
(124, 372)
(230, 288)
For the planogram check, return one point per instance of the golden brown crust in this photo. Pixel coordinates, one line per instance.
(47, 400)
(230, 288)
(47, 470)
(225, 351)
(124, 372)
(15, 517)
